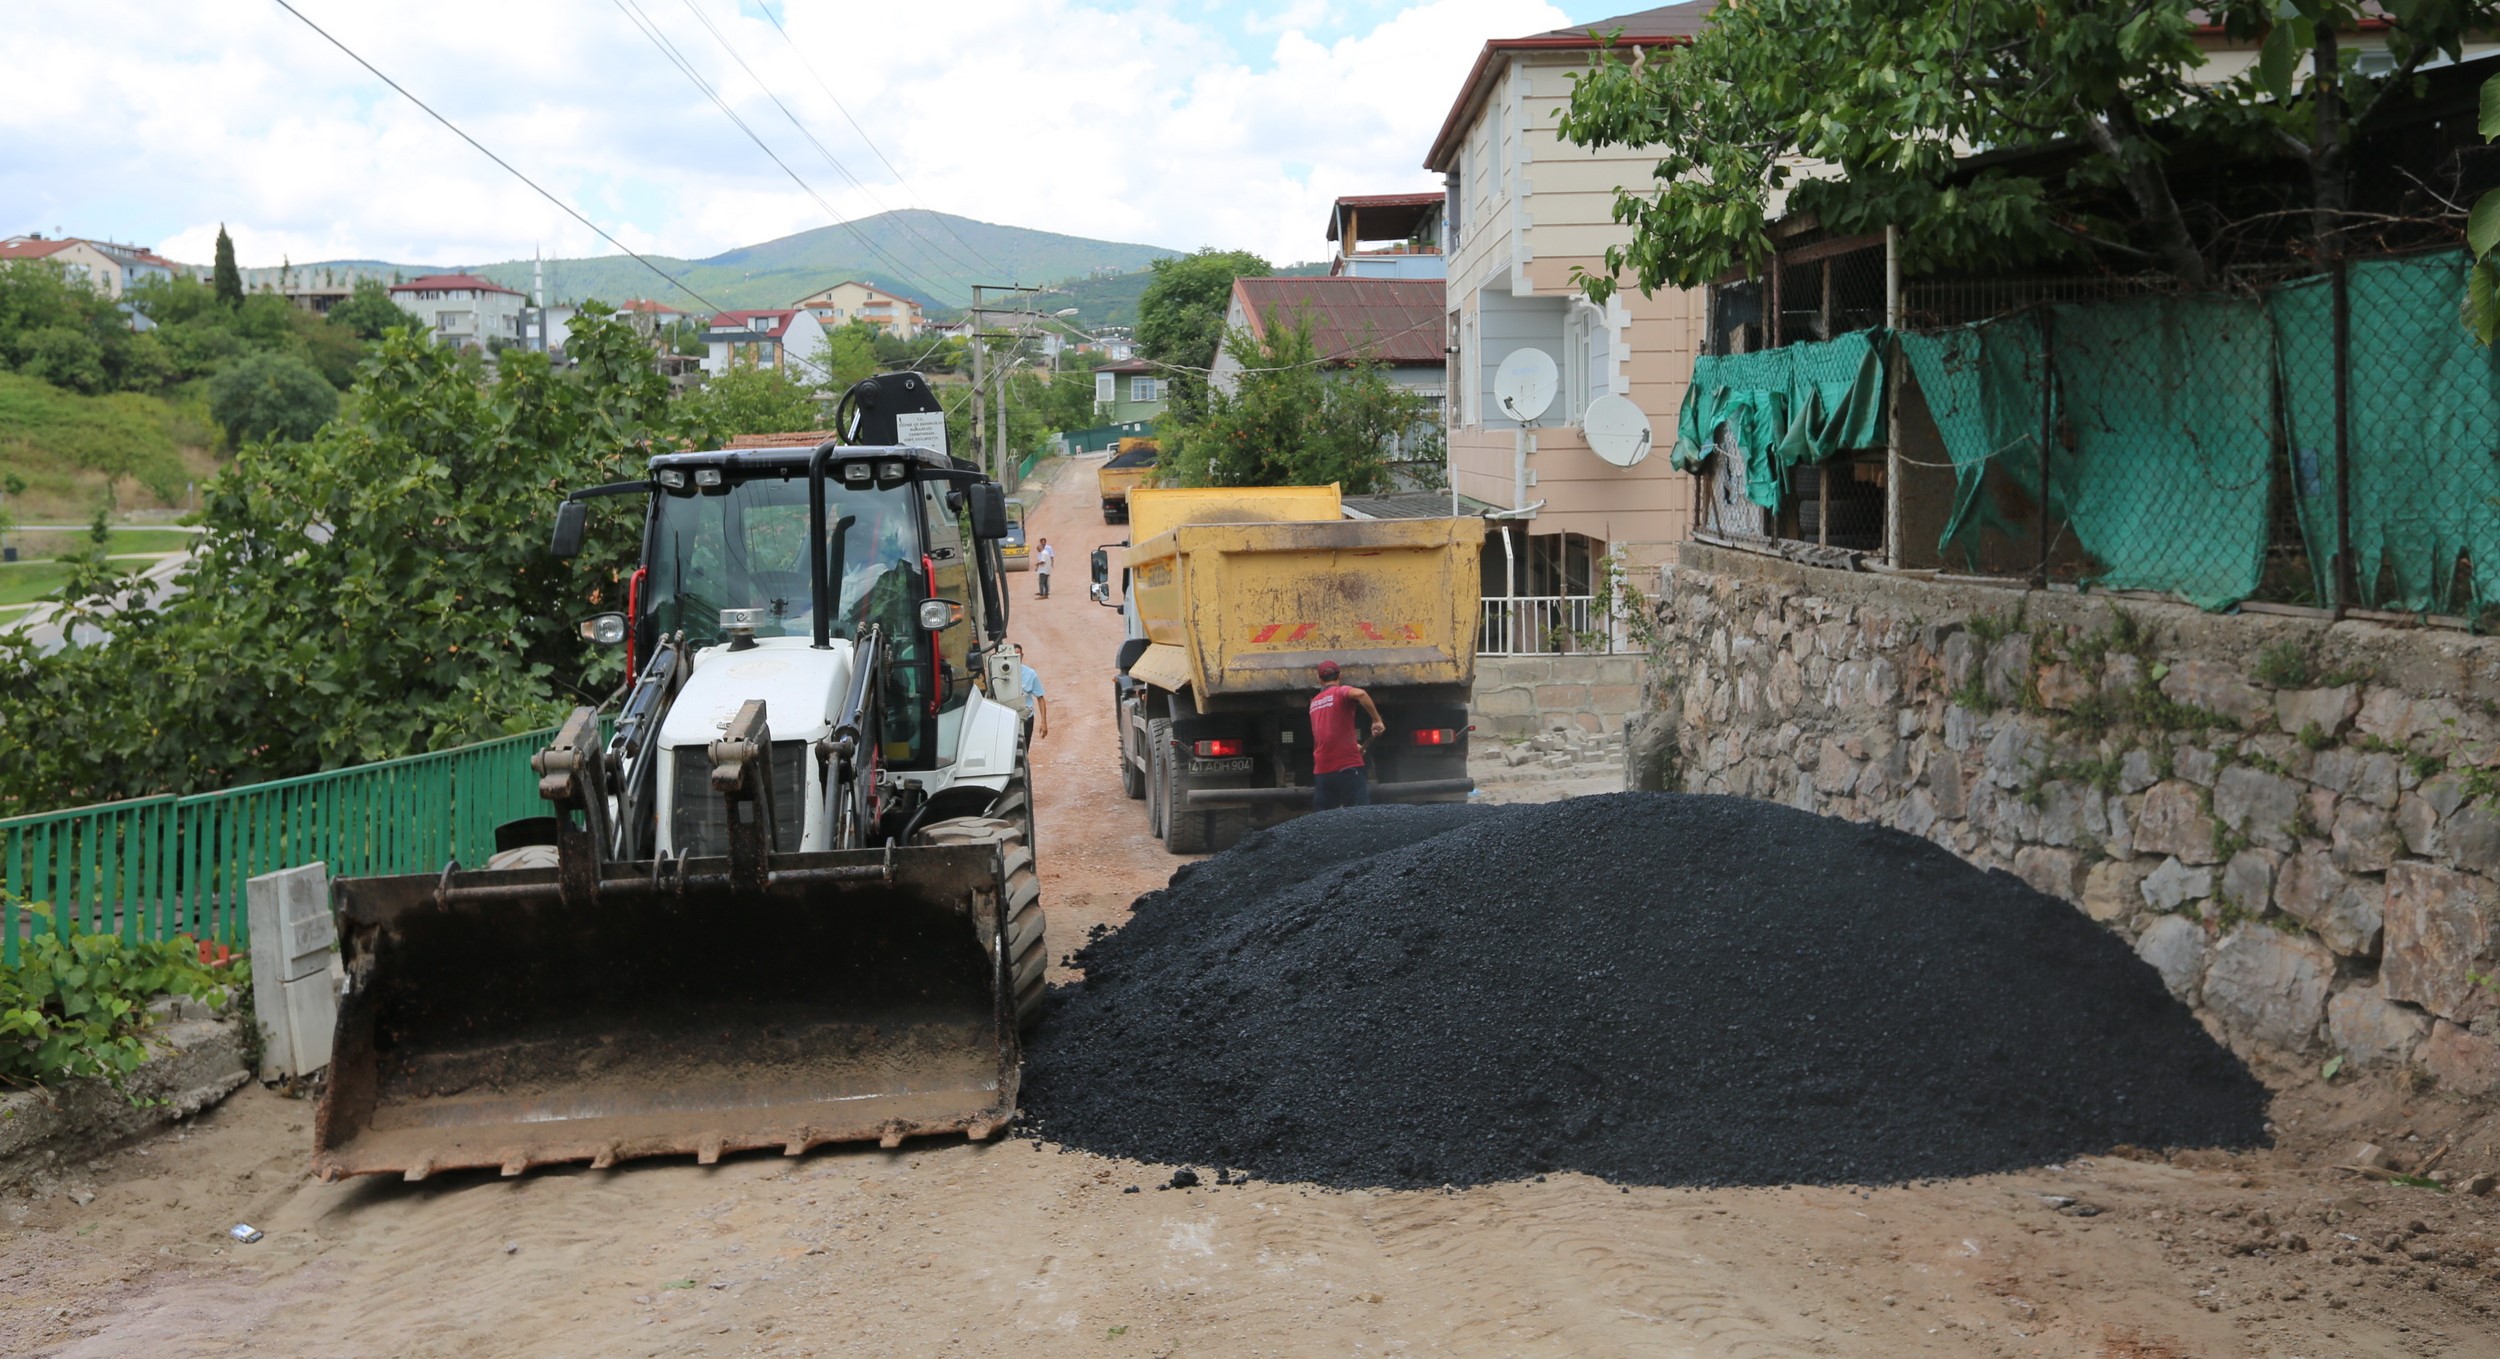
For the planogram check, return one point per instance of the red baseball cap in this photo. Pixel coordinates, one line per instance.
(1327, 670)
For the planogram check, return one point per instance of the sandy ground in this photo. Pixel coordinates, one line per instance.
(939, 1249)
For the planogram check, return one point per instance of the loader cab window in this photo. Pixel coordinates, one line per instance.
(950, 552)
(744, 545)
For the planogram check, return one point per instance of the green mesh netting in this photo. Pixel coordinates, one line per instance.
(2162, 461)
(2168, 404)
(2424, 432)
(1980, 386)
(1797, 404)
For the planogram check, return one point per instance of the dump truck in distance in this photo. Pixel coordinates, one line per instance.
(1132, 465)
(1232, 597)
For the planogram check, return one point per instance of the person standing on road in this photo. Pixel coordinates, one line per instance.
(1031, 681)
(1042, 559)
(1336, 753)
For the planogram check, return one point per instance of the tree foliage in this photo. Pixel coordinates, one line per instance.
(1180, 320)
(1863, 125)
(228, 280)
(271, 396)
(752, 400)
(381, 589)
(1293, 420)
(368, 311)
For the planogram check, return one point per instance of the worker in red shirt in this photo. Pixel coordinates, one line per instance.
(1336, 753)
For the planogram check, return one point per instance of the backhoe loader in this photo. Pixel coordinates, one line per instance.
(787, 899)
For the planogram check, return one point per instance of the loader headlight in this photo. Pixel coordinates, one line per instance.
(607, 629)
(891, 471)
(673, 478)
(707, 476)
(856, 473)
(937, 615)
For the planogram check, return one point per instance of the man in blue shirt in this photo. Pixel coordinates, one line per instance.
(1035, 699)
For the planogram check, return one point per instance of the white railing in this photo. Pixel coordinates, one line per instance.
(1543, 625)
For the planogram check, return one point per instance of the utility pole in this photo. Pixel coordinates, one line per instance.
(980, 441)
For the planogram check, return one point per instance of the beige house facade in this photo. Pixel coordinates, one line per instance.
(849, 301)
(109, 267)
(1523, 209)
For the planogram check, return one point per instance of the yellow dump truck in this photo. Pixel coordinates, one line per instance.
(1132, 465)
(1233, 597)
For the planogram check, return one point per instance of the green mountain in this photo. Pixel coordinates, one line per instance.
(929, 256)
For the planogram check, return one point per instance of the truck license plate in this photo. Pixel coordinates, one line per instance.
(1235, 766)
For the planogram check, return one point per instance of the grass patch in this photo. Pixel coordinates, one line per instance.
(34, 545)
(67, 447)
(27, 582)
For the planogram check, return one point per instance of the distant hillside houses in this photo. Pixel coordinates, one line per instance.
(110, 267)
(785, 339)
(463, 310)
(851, 300)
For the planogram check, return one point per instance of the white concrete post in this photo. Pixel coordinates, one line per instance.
(293, 943)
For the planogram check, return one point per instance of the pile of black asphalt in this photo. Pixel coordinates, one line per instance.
(1650, 988)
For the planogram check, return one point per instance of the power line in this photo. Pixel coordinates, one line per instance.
(633, 14)
(507, 165)
(949, 227)
(927, 244)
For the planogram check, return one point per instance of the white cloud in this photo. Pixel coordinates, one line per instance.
(1162, 123)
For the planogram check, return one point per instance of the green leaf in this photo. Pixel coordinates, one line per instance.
(2489, 123)
(2482, 225)
(2333, 1065)
(2482, 301)
(2274, 61)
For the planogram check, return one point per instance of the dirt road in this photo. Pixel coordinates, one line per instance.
(951, 1248)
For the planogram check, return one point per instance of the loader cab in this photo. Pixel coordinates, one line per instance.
(729, 530)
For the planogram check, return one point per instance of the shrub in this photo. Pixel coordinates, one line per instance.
(271, 396)
(78, 1007)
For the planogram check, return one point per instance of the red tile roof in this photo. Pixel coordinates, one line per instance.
(1131, 366)
(32, 250)
(738, 320)
(1392, 320)
(1665, 26)
(454, 282)
(648, 307)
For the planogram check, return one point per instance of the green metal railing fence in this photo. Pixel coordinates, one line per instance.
(156, 867)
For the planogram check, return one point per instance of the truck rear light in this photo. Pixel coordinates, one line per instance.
(1437, 736)
(1216, 750)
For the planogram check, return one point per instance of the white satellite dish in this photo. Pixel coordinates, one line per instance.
(1524, 385)
(1617, 430)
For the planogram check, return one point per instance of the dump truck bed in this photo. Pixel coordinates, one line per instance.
(1249, 608)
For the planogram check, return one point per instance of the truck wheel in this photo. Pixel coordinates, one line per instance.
(1132, 779)
(1026, 930)
(1185, 831)
(1158, 775)
(1225, 829)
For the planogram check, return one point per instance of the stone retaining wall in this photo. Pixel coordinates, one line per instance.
(1522, 696)
(198, 1061)
(2296, 823)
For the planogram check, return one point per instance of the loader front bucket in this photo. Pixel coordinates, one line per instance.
(489, 1022)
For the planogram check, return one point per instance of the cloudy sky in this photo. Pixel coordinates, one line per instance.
(1180, 124)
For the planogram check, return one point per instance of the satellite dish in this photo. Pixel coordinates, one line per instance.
(1617, 430)
(1524, 385)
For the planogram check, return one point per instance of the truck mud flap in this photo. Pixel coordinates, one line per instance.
(487, 1023)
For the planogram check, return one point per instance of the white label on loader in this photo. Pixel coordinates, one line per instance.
(927, 429)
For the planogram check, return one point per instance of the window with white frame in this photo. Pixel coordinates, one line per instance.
(1143, 389)
(1588, 359)
(1102, 388)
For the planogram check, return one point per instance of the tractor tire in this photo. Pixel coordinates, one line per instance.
(1015, 803)
(1158, 775)
(1027, 944)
